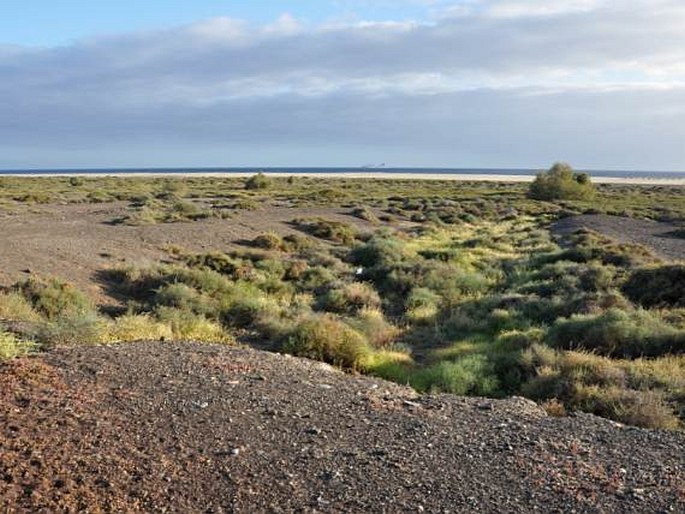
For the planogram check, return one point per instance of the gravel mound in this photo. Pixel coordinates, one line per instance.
(665, 240)
(166, 427)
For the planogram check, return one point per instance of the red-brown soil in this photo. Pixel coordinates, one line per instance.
(165, 427)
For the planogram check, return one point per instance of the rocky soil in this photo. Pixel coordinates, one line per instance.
(166, 427)
(75, 242)
(663, 239)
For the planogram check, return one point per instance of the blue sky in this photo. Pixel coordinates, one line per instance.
(443, 83)
(46, 22)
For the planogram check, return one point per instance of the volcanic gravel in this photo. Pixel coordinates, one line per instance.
(662, 238)
(169, 427)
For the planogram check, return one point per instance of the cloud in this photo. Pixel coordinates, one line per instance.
(474, 84)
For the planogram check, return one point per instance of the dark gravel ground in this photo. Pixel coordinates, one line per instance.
(165, 427)
(664, 239)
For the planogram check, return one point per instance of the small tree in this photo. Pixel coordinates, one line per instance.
(561, 182)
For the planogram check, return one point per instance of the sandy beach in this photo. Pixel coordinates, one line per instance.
(373, 175)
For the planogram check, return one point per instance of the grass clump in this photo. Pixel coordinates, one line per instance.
(326, 338)
(618, 333)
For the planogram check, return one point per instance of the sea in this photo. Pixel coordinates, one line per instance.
(351, 170)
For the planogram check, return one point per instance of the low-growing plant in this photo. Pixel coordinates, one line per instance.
(326, 338)
(663, 286)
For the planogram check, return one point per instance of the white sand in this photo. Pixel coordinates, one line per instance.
(376, 175)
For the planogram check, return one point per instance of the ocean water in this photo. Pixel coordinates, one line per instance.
(374, 170)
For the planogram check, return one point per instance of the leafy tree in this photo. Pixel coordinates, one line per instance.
(561, 182)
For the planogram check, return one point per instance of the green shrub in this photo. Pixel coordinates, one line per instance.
(657, 287)
(15, 307)
(364, 213)
(55, 298)
(326, 338)
(136, 327)
(422, 305)
(187, 326)
(618, 333)
(372, 324)
(470, 375)
(11, 347)
(71, 327)
(335, 231)
(351, 298)
(269, 241)
(560, 182)
(258, 181)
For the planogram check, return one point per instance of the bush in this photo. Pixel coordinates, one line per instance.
(327, 338)
(269, 241)
(422, 305)
(657, 287)
(470, 375)
(618, 333)
(11, 347)
(71, 327)
(258, 181)
(187, 326)
(136, 327)
(377, 330)
(15, 307)
(364, 213)
(335, 231)
(560, 182)
(55, 298)
(351, 298)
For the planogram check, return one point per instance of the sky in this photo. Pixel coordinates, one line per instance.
(427, 83)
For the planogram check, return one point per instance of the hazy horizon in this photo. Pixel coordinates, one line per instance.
(499, 84)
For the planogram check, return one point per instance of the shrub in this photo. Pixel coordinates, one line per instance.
(258, 181)
(55, 298)
(472, 374)
(364, 213)
(187, 326)
(11, 347)
(71, 327)
(316, 278)
(560, 182)
(15, 307)
(377, 330)
(657, 287)
(184, 297)
(335, 231)
(136, 327)
(422, 305)
(269, 241)
(326, 338)
(618, 333)
(351, 298)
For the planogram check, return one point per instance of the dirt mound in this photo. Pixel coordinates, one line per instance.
(200, 428)
(665, 240)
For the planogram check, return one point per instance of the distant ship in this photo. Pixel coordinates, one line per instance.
(373, 166)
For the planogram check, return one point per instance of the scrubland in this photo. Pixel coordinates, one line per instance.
(458, 287)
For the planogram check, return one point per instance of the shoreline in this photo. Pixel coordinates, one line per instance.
(461, 177)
